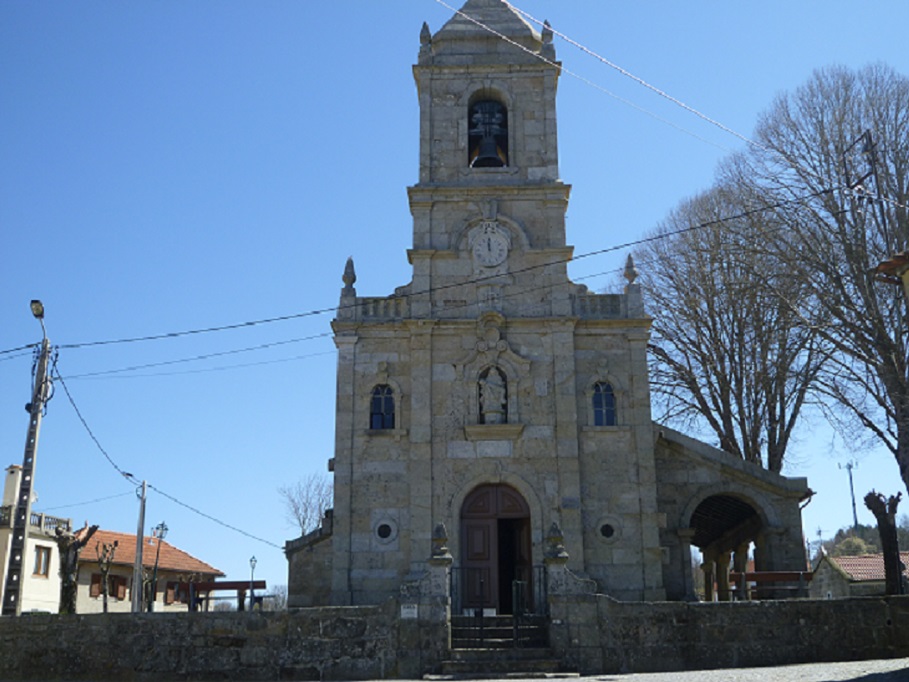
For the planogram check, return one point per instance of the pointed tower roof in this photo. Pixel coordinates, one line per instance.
(465, 32)
(493, 13)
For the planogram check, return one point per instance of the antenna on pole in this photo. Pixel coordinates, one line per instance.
(849, 466)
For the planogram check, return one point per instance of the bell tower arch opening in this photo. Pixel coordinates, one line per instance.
(487, 136)
(495, 549)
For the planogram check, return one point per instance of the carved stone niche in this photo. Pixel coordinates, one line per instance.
(491, 377)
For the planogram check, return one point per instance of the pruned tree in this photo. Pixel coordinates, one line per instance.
(884, 510)
(306, 501)
(105, 552)
(70, 546)
(833, 159)
(728, 353)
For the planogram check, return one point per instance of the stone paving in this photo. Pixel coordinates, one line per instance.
(891, 670)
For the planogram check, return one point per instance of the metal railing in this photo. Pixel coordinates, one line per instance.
(472, 592)
(43, 522)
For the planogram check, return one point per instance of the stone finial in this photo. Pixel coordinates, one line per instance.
(631, 273)
(555, 541)
(425, 35)
(547, 32)
(349, 277)
(440, 551)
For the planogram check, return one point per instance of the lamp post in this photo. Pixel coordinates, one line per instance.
(12, 596)
(159, 532)
(252, 573)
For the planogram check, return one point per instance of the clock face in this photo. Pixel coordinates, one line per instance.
(490, 246)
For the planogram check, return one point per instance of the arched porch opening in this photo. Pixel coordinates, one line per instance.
(724, 528)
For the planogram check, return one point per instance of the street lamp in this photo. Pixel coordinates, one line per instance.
(159, 532)
(22, 509)
(252, 573)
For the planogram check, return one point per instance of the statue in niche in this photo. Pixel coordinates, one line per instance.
(493, 392)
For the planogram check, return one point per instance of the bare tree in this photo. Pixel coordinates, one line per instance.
(306, 500)
(276, 600)
(834, 160)
(105, 552)
(884, 511)
(727, 352)
(70, 546)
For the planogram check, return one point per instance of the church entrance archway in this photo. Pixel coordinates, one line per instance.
(495, 548)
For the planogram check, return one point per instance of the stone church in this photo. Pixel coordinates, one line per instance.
(493, 395)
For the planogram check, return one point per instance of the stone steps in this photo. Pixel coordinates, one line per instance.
(487, 648)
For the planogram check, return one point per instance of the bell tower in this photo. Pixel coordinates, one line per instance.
(489, 204)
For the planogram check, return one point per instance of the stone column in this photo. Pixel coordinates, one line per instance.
(740, 566)
(722, 576)
(708, 567)
(685, 537)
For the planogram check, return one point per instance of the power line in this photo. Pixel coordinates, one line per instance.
(82, 504)
(581, 78)
(204, 370)
(199, 357)
(133, 479)
(29, 346)
(637, 79)
(212, 518)
(172, 335)
(477, 280)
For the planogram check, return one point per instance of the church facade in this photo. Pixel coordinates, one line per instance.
(495, 396)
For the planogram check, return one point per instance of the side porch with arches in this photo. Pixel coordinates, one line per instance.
(731, 512)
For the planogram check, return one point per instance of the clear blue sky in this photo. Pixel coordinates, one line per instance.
(168, 166)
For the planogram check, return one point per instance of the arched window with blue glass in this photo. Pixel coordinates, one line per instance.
(382, 408)
(604, 405)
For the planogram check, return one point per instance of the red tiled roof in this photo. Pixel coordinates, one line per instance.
(171, 558)
(867, 566)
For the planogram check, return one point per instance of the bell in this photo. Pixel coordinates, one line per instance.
(488, 154)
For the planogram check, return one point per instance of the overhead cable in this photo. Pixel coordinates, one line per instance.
(637, 79)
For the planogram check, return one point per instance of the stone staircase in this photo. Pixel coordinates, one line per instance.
(498, 646)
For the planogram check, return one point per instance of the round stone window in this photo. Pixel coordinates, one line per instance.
(609, 529)
(385, 531)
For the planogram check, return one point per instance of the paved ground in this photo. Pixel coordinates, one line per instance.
(892, 670)
(895, 670)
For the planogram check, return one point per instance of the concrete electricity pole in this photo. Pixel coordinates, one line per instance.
(140, 539)
(12, 595)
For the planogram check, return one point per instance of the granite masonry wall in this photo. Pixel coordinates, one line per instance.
(332, 643)
(593, 634)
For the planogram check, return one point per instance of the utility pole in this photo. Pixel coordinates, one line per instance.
(140, 540)
(849, 466)
(12, 595)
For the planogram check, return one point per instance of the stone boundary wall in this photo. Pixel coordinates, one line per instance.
(595, 634)
(332, 643)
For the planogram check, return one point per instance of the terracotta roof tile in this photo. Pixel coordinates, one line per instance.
(171, 559)
(867, 566)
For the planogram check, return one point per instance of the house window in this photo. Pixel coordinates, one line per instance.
(116, 586)
(603, 405)
(382, 408)
(176, 593)
(42, 561)
(487, 136)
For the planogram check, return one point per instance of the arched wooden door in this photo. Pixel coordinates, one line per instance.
(495, 547)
